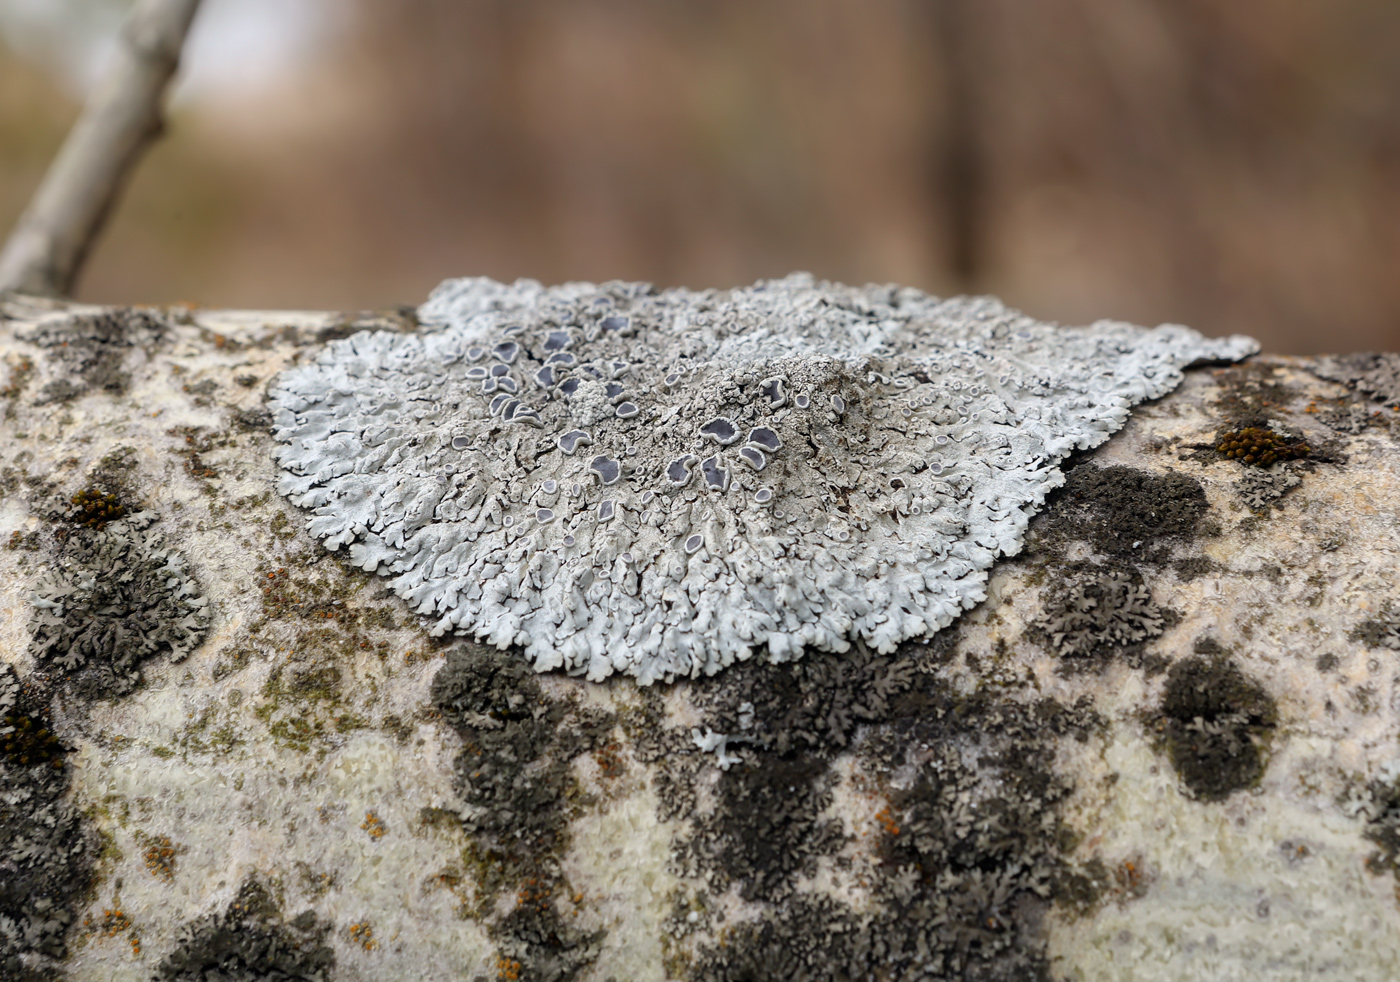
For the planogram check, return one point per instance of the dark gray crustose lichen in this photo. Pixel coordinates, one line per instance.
(92, 351)
(115, 596)
(660, 483)
(250, 942)
(46, 852)
(1217, 723)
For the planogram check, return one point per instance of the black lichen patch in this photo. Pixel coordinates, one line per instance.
(514, 776)
(814, 705)
(250, 942)
(1123, 511)
(91, 351)
(1217, 723)
(1380, 807)
(1190, 568)
(767, 828)
(1259, 446)
(971, 841)
(808, 940)
(47, 854)
(787, 721)
(1097, 613)
(114, 597)
(1381, 631)
(536, 942)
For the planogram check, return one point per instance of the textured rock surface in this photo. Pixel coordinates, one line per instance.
(1165, 745)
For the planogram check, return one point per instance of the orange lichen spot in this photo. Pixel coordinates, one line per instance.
(507, 969)
(887, 821)
(363, 935)
(609, 759)
(160, 858)
(534, 892)
(1131, 877)
(374, 825)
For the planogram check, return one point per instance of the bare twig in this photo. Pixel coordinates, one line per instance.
(52, 239)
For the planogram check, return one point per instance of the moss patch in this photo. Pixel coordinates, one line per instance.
(1259, 446)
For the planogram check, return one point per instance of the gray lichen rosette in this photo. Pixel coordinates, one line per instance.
(616, 479)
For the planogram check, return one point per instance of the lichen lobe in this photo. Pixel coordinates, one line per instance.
(784, 467)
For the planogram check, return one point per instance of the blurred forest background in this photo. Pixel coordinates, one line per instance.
(1229, 164)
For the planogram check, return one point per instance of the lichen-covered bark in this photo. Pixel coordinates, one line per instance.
(1163, 747)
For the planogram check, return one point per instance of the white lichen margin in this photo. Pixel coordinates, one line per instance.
(661, 483)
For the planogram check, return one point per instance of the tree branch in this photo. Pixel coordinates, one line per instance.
(51, 241)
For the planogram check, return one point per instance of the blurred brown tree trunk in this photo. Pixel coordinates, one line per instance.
(959, 167)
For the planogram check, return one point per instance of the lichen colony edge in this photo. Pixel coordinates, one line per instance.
(660, 483)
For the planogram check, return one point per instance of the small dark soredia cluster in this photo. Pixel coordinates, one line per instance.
(969, 837)
(1217, 723)
(1260, 446)
(1381, 631)
(250, 942)
(46, 857)
(514, 774)
(1380, 806)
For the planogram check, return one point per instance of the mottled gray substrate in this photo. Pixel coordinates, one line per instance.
(620, 480)
(1163, 748)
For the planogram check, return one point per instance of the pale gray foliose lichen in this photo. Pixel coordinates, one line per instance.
(660, 483)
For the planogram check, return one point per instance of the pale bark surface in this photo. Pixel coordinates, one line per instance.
(124, 114)
(1164, 747)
